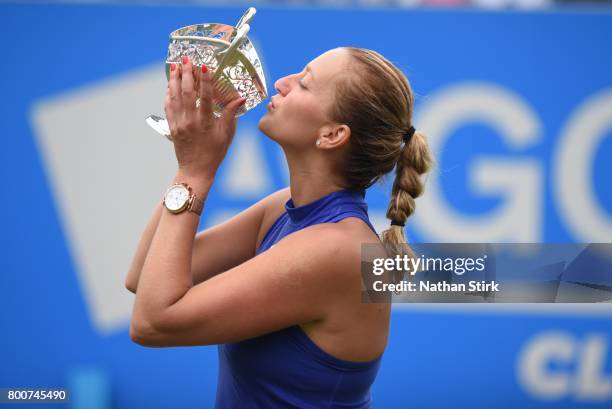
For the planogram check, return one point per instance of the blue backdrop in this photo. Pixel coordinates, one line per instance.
(518, 107)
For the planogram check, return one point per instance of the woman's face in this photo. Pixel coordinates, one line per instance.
(298, 113)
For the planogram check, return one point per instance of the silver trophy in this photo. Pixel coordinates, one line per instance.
(229, 55)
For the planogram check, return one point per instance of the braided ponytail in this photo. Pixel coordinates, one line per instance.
(414, 161)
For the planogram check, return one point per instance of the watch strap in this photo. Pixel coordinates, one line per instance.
(196, 205)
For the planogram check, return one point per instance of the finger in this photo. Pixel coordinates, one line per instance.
(168, 109)
(205, 92)
(173, 102)
(228, 117)
(187, 93)
(196, 78)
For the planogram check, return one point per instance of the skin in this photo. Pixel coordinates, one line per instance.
(209, 288)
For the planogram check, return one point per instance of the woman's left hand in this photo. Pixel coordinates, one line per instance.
(200, 140)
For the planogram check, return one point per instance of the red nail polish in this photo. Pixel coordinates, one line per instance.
(185, 59)
(172, 67)
(204, 68)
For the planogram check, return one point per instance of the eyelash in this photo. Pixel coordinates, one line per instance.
(301, 85)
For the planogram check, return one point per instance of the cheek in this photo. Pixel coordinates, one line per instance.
(305, 110)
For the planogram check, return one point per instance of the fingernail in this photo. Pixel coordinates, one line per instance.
(185, 59)
(172, 67)
(204, 68)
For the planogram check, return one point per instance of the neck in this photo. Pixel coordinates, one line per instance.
(310, 178)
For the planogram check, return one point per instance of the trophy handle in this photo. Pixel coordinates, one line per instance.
(160, 125)
(231, 52)
(246, 17)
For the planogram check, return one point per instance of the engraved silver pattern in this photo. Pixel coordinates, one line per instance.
(206, 44)
(203, 44)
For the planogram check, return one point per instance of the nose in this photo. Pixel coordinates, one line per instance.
(283, 85)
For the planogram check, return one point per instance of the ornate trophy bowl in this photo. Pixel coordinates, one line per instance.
(229, 55)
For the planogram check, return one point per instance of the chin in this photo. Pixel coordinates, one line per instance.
(262, 125)
(265, 127)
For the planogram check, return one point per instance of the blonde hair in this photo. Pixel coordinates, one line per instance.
(376, 101)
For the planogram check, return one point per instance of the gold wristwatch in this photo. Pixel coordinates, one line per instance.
(180, 197)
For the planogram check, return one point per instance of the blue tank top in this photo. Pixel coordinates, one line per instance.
(286, 369)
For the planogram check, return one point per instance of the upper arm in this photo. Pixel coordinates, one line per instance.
(232, 242)
(294, 282)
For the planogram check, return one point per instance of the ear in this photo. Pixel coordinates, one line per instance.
(334, 136)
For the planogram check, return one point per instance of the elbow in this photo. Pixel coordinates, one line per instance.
(140, 333)
(146, 335)
(130, 286)
(164, 331)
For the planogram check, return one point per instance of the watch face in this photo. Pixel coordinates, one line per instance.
(176, 198)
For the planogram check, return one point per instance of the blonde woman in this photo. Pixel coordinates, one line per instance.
(278, 287)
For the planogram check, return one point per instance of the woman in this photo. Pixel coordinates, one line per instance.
(278, 286)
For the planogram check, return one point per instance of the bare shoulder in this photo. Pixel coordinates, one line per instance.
(277, 199)
(330, 247)
(334, 249)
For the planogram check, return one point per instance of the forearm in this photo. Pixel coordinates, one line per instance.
(133, 275)
(166, 273)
